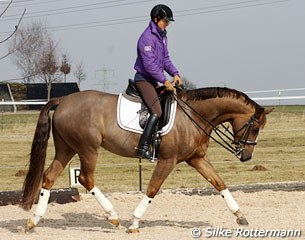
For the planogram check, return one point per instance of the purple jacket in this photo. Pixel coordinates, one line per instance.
(153, 57)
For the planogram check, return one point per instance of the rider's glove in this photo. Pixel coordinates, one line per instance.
(177, 80)
(168, 85)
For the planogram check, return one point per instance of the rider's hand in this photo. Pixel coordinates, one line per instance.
(177, 80)
(168, 85)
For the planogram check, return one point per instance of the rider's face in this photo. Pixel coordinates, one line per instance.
(162, 24)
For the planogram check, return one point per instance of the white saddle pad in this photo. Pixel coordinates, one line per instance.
(128, 116)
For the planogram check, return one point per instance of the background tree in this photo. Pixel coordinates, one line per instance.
(30, 42)
(37, 56)
(65, 67)
(79, 72)
(48, 64)
(188, 84)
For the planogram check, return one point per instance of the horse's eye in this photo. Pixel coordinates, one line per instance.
(255, 130)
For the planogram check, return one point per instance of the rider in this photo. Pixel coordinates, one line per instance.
(152, 59)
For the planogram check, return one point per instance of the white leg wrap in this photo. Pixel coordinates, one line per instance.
(139, 211)
(135, 223)
(42, 202)
(104, 202)
(142, 207)
(42, 205)
(230, 201)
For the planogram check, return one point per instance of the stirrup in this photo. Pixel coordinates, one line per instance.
(153, 159)
(147, 155)
(143, 152)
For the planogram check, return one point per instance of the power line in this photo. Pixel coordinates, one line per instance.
(17, 3)
(79, 8)
(93, 6)
(126, 20)
(234, 4)
(180, 13)
(22, 1)
(31, 4)
(237, 7)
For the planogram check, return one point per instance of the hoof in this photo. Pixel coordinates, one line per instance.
(242, 221)
(30, 224)
(114, 222)
(133, 230)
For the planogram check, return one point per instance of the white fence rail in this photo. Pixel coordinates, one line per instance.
(279, 96)
(277, 100)
(22, 103)
(277, 90)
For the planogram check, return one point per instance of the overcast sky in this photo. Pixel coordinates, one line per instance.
(243, 44)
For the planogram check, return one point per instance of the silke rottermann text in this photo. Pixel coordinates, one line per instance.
(253, 232)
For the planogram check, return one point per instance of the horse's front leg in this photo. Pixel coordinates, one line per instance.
(205, 168)
(161, 172)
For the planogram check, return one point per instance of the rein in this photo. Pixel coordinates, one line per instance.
(227, 137)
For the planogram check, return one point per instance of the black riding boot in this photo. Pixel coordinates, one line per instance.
(145, 140)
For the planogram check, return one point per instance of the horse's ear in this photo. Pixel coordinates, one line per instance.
(268, 110)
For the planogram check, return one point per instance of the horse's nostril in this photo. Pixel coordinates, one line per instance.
(245, 156)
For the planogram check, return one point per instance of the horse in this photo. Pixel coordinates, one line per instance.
(87, 120)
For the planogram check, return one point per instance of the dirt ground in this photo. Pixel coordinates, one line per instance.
(170, 216)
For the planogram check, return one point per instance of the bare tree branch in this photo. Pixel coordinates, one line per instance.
(17, 79)
(16, 28)
(14, 48)
(6, 8)
(9, 53)
(79, 72)
(29, 42)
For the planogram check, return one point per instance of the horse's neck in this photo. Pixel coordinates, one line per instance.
(224, 109)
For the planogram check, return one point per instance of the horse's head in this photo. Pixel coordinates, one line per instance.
(246, 132)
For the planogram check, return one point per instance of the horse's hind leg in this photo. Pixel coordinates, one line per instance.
(205, 168)
(86, 178)
(62, 156)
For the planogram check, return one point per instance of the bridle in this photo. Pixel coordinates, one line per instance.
(226, 136)
(241, 143)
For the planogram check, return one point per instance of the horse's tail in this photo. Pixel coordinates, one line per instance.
(38, 156)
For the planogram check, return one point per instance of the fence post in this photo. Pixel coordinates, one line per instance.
(12, 97)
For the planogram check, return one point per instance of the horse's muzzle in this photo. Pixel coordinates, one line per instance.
(245, 155)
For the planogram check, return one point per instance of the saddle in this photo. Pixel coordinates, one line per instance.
(165, 98)
(132, 114)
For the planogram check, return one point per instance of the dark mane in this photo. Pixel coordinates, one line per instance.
(214, 92)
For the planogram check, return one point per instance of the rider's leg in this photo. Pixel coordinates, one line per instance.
(150, 98)
(146, 137)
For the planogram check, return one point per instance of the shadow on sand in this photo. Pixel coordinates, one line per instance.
(92, 222)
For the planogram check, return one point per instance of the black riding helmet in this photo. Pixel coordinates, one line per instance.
(161, 11)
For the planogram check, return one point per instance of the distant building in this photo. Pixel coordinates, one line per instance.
(32, 92)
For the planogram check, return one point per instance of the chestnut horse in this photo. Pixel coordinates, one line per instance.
(85, 121)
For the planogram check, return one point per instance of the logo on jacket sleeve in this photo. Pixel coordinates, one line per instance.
(147, 48)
